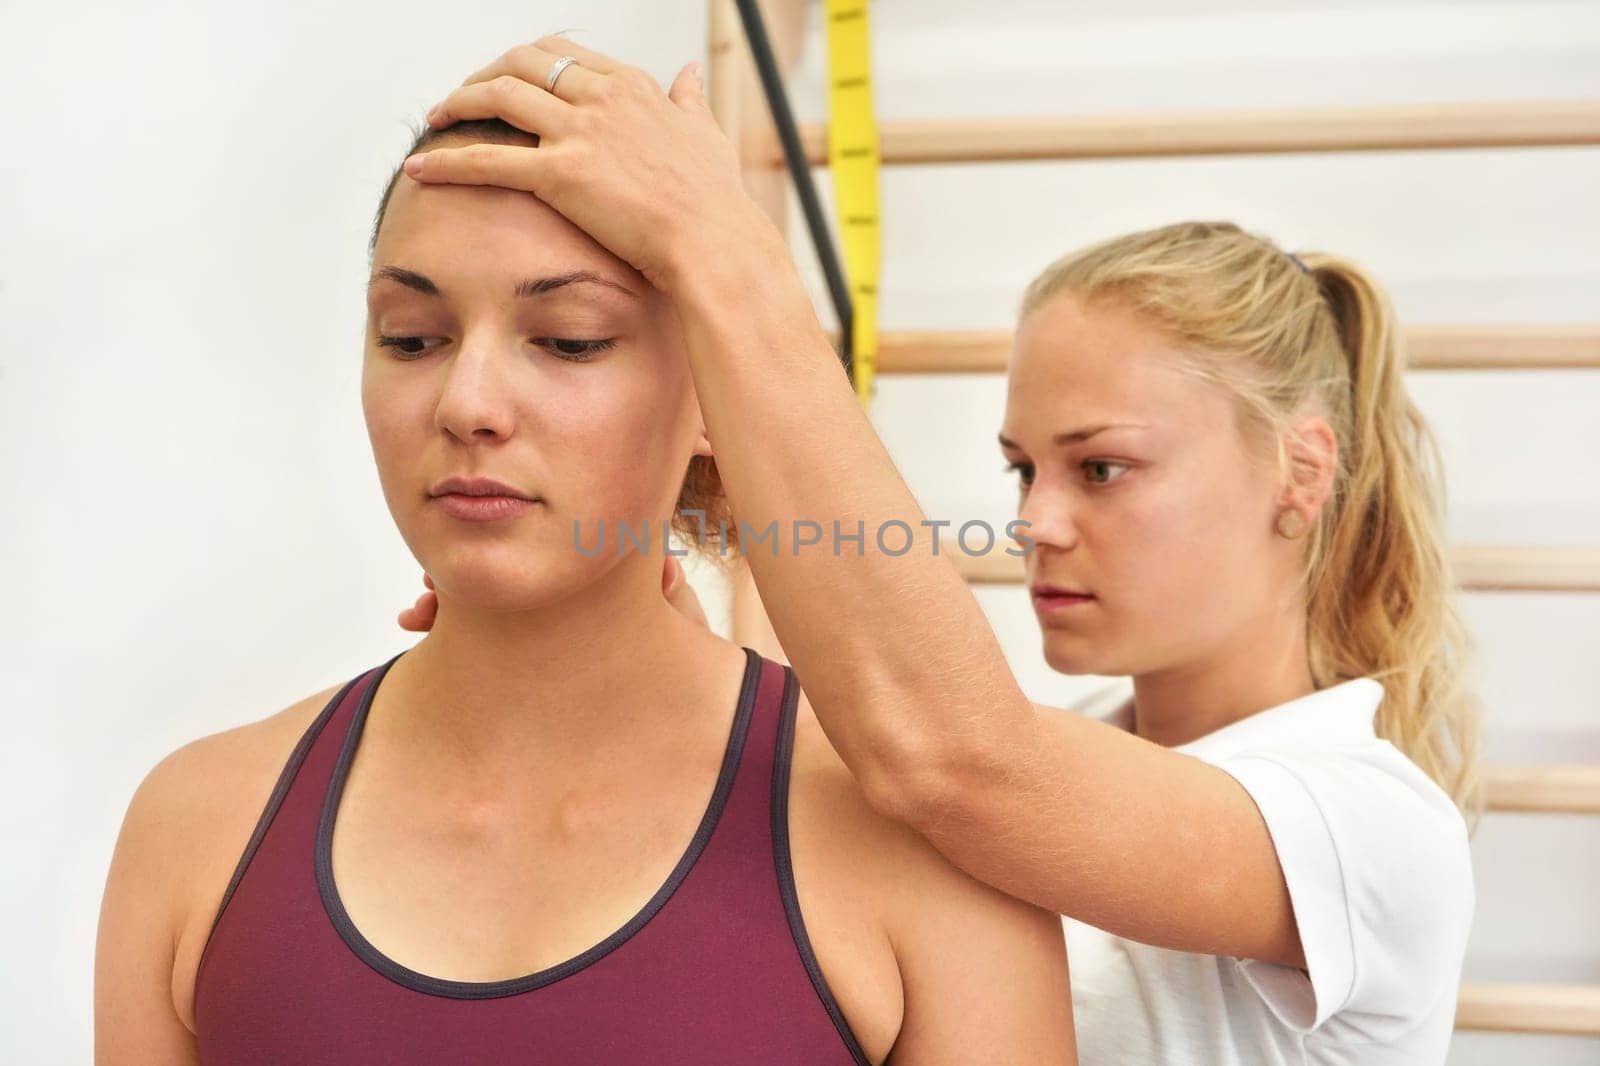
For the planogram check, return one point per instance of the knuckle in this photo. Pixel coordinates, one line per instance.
(504, 88)
(557, 171)
(556, 164)
(635, 80)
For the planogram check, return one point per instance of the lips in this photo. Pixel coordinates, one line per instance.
(1058, 590)
(1055, 603)
(479, 486)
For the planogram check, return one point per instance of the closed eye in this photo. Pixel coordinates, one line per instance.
(576, 351)
(572, 350)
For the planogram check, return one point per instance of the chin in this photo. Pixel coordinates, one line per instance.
(1072, 655)
(514, 581)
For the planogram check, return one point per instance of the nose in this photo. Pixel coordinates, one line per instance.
(479, 391)
(1049, 514)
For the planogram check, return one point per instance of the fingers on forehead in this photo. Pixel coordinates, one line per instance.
(511, 98)
(532, 64)
(555, 46)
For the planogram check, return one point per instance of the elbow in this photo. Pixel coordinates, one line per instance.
(924, 779)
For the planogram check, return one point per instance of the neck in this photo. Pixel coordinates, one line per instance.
(494, 695)
(1262, 665)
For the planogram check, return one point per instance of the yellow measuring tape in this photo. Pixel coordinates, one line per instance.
(853, 158)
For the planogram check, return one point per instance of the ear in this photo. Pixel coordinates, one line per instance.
(702, 443)
(697, 418)
(1311, 456)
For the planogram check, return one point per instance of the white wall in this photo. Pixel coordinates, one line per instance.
(195, 534)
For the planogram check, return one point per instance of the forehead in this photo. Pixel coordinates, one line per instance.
(1079, 360)
(487, 229)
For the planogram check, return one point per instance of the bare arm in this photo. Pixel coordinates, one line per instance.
(1148, 843)
(906, 675)
(135, 1023)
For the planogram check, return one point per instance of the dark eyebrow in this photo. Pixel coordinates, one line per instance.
(526, 287)
(1077, 435)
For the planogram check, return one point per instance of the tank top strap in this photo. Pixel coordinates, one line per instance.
(756, 823)
(744, 822)
(287, 823)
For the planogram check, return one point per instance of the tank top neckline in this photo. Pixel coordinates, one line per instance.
(404, 975)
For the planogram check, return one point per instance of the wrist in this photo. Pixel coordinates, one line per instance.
(742, 255)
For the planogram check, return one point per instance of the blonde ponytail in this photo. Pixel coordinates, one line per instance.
(1278, 331)
(1382, 590)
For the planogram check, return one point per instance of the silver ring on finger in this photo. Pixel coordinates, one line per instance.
(555, 72)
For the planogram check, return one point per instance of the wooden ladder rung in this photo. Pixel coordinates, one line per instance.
(1479, 568)
(1535, 347)
(1485, 568)
(1543, 789)
(1508, 1008)
(1389, 127)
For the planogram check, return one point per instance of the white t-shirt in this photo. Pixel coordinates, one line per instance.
(1377, 862)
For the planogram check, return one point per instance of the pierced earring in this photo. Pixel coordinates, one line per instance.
(1291, 524)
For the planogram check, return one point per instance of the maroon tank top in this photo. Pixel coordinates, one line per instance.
(717, 967)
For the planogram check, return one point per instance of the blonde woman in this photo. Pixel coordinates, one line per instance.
(1228, 496)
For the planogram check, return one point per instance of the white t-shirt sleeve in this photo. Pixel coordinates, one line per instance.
(1379, 870)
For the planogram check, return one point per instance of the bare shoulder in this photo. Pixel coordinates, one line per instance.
(220, 767)
(206, 783)
(182, 835)
(227, 778)
(195, 799)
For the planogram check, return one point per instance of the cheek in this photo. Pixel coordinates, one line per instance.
(624, 440)
(397, 421)
(399, 425)
(1194, 559)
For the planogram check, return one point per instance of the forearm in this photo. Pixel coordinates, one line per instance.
(893, 650)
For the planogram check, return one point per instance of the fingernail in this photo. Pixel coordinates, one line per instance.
(699, 73)
(413, 164)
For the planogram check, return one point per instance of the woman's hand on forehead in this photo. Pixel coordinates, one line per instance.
(645, 172)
